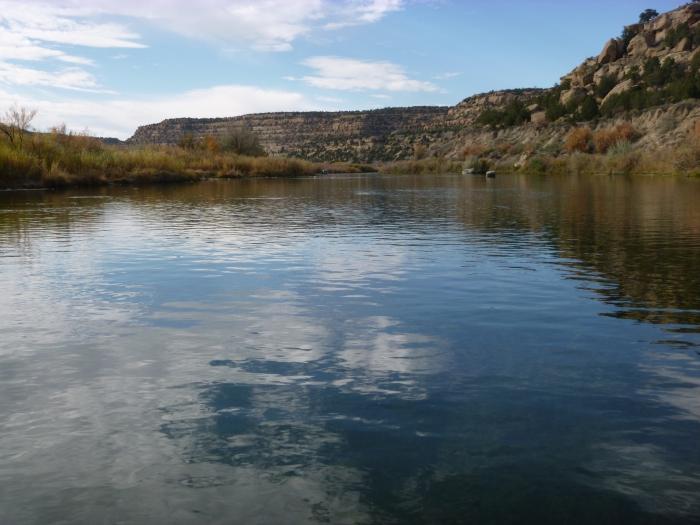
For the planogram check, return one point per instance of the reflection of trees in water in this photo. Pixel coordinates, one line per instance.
(645, 239)
(641, 237)
(27, 218)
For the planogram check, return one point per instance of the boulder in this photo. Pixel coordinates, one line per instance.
(638, 46)
(573, 96)
(615, 71)
(683, 45)
(659, 37)
(611, 52)
(539, 118)
(623, 86)
(581, 76)
(661, 23)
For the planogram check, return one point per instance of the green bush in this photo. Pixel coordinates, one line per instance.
(676, 34)
(588, 110)
(605, 86)
(513, 114)
(480, 166)
(628, 33)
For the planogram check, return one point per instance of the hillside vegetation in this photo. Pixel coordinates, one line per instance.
(60, 158)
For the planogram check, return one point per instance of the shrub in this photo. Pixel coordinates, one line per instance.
(628, 33)
(513, 114)
(243, 142)
(479, 165)
(588, 110)
(579, 140)
(605, 86)
(538, 166)
(420, 151)
(622, 159)
(607, 138)
(472, 150)
(210, 144)
(676, 34)
(648, 15)
(187, 141)
(553, 108)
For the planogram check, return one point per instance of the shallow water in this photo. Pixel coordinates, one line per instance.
(352, 349)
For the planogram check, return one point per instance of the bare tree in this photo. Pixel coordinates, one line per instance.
(243, 141)
(15, 123)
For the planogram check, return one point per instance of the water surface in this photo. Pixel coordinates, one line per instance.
(352, 349)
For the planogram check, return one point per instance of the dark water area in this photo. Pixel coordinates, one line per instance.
(352, 349)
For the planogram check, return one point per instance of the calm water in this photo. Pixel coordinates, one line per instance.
(352, 349)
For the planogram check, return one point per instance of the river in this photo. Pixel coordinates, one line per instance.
(352, 349)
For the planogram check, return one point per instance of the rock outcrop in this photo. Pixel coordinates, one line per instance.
(611, 52)
(365, 136)
(666, 37)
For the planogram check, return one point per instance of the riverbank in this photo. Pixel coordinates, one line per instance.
(622, 158)
(54, 160)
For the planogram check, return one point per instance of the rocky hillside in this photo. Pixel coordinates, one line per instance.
(325, 136)
(647, 77)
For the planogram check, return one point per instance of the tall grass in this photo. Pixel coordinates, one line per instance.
(431, 166)
(613, 150)
(58, 159)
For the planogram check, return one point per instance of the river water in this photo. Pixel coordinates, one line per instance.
(352, 349)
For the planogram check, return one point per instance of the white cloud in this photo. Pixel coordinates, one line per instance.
(31, 32)
(332, 100)
(447, 76)
(55, 23)
(351, 74)
(68, 78)
(266, 25)
(28, 51)
(357, 13)
(119, 118)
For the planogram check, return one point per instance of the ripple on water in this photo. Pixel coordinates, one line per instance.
(352, 349)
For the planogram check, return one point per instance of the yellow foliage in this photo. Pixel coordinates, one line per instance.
(579, 140)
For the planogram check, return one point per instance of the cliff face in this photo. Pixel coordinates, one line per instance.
(671, 36)
(648, 77)
(324, 136)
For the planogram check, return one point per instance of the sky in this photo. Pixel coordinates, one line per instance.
(108, 66)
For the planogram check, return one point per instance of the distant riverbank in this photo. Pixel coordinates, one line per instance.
(681, 161)
(55, 160)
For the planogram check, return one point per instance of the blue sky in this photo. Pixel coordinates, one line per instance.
(109, 66)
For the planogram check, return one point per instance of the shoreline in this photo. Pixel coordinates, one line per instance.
(173, 180)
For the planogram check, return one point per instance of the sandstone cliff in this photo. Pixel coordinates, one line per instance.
(382, 134)
(647, 77)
